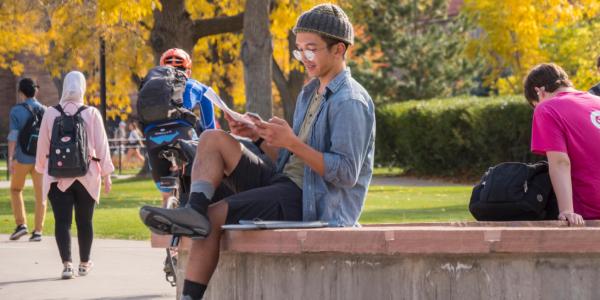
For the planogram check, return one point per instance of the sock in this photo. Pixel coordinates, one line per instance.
(193, 289)
(201, 193)
(202, 186)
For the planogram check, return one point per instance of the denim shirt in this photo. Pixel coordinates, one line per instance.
(344, 131)
(18, 118)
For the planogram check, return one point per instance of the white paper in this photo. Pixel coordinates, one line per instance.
(216, 100)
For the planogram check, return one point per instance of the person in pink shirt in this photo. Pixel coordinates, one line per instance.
(566, 129)
(81, 193)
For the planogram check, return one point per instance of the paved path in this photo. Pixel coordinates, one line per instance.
(123, 270)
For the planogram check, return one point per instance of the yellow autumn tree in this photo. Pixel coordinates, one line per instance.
(515, 35)
(17, 35)
(66, 33)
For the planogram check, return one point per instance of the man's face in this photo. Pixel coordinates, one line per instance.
(318, 59)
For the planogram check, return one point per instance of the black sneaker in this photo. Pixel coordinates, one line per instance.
(20, 231)
(184, 221)
(35, 237)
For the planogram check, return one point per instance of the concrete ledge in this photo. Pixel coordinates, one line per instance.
(417, 238)
(462, 260)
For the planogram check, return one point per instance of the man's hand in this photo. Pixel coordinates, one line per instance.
(277, 133)
(107, 184)
(11, 167)
(571, 217)
(241, 129)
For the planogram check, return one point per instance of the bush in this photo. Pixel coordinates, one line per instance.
(454, 137)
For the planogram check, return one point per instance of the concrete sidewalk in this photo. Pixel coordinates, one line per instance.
(122, 270)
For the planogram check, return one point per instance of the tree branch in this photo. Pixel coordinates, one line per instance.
(145, 25)
(279, 79)
(216, 25)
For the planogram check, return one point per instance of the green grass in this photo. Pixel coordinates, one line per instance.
(3, 169)
(117, 214)
(391, 204)
(388, 171)
(115, 217)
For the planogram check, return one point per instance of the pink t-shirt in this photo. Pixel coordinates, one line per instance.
(570, 123)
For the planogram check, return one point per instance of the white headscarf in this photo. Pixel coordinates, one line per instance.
(73, 88)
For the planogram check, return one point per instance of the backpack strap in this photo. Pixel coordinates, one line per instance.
(28, 108)
(60, 110)
(81, 108)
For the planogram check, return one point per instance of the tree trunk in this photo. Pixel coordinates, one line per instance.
(257, 51)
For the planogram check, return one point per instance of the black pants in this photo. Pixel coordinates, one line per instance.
(76, 196)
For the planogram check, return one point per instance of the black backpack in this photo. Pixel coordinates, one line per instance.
(69, 155)
(160, 97)
(28, 135)
(514, 191)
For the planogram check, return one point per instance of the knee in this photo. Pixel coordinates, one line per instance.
(16, 191)
(61, 223)
(213, 138)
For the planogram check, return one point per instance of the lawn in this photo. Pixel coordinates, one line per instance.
(3, 169)
(117, 214)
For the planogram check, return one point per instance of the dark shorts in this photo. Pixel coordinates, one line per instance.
(255, 191)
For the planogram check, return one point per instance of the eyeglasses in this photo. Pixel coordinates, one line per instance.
(308, 53)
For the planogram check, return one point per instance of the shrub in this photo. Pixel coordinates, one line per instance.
(453, 137)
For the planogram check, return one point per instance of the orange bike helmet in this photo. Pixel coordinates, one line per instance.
(177, 58)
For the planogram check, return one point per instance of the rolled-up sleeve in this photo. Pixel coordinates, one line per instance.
(14, 126)
(351, 125)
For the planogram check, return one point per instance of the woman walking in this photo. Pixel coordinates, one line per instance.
(134, 143)
(80, 193)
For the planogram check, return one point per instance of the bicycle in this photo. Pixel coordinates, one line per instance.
(181, 156)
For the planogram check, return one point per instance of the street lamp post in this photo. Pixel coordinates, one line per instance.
(103, 80)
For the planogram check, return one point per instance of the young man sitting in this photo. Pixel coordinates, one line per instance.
(324, 163)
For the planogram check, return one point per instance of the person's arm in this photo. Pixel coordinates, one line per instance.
(43, 143)
(102, 149)
(560, 175)
(207, 113)
(12, 145)
(350, 133)
(278, 133)
(12, 138)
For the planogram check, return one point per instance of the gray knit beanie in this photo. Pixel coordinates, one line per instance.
(328, 20)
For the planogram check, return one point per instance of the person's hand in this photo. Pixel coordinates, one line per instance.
(571, 217)
(107, 184)
(241, 129)
(11, 167)
(277, 132)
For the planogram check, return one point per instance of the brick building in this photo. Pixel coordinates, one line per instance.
(34, 68)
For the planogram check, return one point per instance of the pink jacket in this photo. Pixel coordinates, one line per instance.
(97, 145)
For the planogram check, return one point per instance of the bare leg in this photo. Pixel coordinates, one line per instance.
(139, 155)
(218, 154)
(204, 254)
(165, 198)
